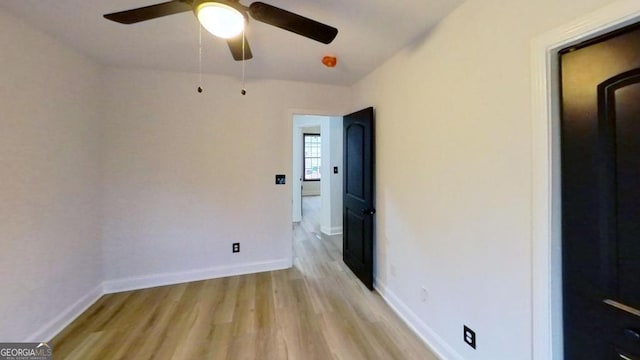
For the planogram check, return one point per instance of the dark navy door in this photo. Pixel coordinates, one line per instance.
(600, 136)
(358, 205)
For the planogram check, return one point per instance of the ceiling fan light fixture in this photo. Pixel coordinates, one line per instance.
(220, 19)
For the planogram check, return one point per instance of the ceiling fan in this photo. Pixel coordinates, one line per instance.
(227, 19)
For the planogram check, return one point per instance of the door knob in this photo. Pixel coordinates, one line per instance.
(368, 211)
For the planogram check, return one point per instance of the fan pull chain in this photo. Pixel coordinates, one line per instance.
(243, 91)
(200, 59)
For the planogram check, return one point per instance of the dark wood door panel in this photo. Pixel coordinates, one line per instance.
(355, 162)
(355, 228)
(600, 153)
(358, 202)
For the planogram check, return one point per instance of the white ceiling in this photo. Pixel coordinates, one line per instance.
(370, 31)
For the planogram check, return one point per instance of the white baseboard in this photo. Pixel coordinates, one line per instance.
(49, 330)
(440, 348)
(143, 282)
(336, 230)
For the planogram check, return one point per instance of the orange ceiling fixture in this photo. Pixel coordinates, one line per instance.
(329, 61)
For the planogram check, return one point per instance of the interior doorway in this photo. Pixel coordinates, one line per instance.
(320, 178)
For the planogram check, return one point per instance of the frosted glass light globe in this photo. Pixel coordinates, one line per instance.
(220, 19)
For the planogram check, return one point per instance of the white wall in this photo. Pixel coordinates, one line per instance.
(453, 174)
(188, 174)
(311, 188)
(332, 145)
(49, 187)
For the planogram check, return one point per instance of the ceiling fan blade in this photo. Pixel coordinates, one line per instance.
(149, 12)
(235, 45)
(286, 20)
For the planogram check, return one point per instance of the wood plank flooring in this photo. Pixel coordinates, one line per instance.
(315, 310)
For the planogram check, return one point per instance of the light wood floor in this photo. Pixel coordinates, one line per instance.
(315, 310)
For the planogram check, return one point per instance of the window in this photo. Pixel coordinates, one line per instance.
(311, 157)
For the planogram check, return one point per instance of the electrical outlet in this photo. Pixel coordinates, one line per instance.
(423, 294)
(392, 269)
(236, 247)
(469, 336)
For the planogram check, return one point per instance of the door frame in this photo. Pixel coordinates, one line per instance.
(547, 331)
(290, 114)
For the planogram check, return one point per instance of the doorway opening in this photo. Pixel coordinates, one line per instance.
(317, 196)
(347, 152)
(317, 184)
(317, 176)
